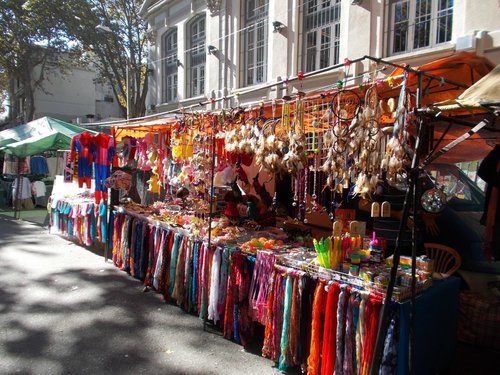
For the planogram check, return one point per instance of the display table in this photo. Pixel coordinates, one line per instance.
(435, 328)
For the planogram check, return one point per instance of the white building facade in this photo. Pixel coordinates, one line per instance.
(74, 95)
(223, 48)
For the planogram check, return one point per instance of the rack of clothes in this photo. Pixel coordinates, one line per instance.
(78, 218)
(306, 319)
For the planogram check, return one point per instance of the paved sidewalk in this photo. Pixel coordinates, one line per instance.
(64, 310)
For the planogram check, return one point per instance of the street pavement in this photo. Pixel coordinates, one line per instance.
(64, 310)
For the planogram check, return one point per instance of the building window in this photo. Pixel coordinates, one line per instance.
(255, 41)
(322, 33)
(170, 66)
(197, 55)
(420, 24)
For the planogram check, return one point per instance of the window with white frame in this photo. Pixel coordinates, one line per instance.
(170, 66)
(419, 24)
(255, 41)
(322, 33)
(197, 55)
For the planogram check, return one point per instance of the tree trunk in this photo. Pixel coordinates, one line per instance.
(29, 94)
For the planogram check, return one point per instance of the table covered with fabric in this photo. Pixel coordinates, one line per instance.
(435, 328)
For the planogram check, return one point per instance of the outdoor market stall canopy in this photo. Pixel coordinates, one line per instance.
(37, 136)
(440, 80)
(478, 101)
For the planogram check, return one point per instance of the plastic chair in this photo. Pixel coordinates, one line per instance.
(446, 260)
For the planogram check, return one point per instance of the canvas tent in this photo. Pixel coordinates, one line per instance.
(480, 101)
(37, 136)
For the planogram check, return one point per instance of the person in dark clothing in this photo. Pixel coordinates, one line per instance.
(489, 171)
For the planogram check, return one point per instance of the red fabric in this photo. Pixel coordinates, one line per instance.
(314, 352)
(372, 310)
(330, 330)
(267, 346)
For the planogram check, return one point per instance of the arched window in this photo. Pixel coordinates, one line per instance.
(255, 41)
(170, 66)
(322, 33)
(196, 55)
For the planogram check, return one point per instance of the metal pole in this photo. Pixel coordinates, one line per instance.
(211, 214)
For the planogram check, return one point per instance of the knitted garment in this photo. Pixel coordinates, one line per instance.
(349, 367)
(341, 322)
(360, 331)
(284, 362)
(173, 263)
(224, 275)
(178, 289)
(307, 288)
(277, 324)
(213, 312)
(388, 365)
(329, 349)
(315, 345)
(294, 334)
(188, 265)
(371, 323)
(159, 260)
(267, 345)
(259, 288)
(194, 281)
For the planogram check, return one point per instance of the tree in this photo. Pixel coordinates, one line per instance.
(114, 33)
(36, 33)
(31, 36)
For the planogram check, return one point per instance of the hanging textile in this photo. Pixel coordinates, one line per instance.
(313, 361)
(329, 349)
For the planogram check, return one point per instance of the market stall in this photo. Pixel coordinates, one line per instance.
(27, 148)
(226, 224)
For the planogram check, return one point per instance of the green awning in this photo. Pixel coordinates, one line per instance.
(38, 136)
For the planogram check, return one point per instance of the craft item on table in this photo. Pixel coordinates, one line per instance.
(82, 145)
(375, 253)
(335, 252)
(322, 247)
(385, 209)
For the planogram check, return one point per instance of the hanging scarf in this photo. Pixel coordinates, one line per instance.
(314, 351)
(277, 323)
(349, 366)
(371, 323)
(284, 360)
(213, 313)
(267, 345)
(294, 335)
(329, 348)
(388, 365)
(178, 290)
(345, 290)
(173, 263)
(360, 331)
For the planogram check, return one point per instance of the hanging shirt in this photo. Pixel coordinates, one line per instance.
(38, 165)
(25, 192)
(39, 189)
(81, 144)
